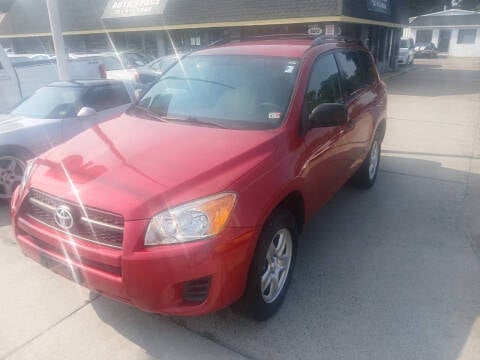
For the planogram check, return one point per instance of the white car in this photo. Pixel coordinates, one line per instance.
(407, 52)
(118, 66)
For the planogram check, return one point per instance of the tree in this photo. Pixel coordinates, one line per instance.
(421, 7)
(467, 4)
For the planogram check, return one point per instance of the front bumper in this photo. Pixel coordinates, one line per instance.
(403, 59)
(152, 279)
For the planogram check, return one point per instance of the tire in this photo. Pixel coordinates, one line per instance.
(366, 176)
(267, 265)
(12, 166)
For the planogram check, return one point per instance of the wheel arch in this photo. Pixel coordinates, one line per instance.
(295, 203)
(17, 150)
(382, 129)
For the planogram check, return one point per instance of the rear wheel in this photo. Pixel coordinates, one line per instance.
(367, 174)
(272, 267)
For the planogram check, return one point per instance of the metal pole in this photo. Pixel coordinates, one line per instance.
(57, 36)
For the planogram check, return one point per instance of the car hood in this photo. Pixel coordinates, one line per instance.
(138, 167)
(403, 51)
(10, 122)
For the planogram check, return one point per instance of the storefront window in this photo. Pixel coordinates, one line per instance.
(467, 36)
(424, 36)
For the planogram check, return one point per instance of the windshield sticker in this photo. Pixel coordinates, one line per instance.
(291, 66)
(274, 115)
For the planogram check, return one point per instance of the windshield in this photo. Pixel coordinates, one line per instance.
(235, 91)
(132, 60)
(51, 102)
(403, 44)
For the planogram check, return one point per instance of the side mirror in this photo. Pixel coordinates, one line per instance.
(137, 94)
(327, 115)
(86, 111)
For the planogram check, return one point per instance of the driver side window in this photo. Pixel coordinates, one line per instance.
(324, 84)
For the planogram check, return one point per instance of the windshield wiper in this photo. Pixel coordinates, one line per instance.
(150, 113)
(192, 119)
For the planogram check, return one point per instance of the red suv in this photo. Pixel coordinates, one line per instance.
(194, 199)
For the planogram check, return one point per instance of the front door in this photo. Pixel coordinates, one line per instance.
(322, 157)
(444, 40)
(358, 79)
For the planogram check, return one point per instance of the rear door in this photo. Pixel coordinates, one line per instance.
(359, 80)
(108, 101)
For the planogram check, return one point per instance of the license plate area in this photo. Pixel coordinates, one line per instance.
(72, 273)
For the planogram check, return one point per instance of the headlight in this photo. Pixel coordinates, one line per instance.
(26, 175)
(196, 220)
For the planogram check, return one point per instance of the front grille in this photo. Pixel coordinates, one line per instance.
(84, 261)
(89, 224)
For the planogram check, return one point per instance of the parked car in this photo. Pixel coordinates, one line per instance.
(194, 199)
(153, 70)
(52, 115)
(118, 66)
(426, 50)
(406, 54)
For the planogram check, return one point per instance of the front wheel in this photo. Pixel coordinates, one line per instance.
(12, 168)
(367, 174)
(272, 267)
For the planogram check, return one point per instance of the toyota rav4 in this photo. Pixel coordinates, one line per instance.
(195, 198)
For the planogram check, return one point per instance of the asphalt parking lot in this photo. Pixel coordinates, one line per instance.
(391, 273)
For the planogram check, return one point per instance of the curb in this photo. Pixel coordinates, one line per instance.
(391, 75)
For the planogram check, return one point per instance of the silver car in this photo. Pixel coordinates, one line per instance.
(54, 114)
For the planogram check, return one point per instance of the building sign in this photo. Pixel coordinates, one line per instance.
(380, 6)
(127, 8)
(315, 30)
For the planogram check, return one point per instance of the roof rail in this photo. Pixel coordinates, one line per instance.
(323, 39)
(221, 41)
(282, 36)
(316, 40)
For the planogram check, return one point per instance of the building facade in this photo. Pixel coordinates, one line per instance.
(158, 27)
(454, 32)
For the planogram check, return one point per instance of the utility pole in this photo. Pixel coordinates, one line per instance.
(58, 44)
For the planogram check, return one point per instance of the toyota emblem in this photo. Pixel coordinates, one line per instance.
(63, 217)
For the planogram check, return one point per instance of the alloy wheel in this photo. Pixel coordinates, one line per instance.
(277, 265)
(11, 173)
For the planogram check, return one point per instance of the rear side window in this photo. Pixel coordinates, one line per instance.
(357, 69)
(106, 97)
(324, 84)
